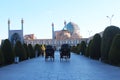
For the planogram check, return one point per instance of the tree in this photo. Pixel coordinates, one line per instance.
(1, 58)
(107, 39)
(26, 50)
(7, 52)
(37, 50)
(31, 50)
(114, 54)
(20, 51)
(73, 49)
(87, 52)
(95, 47)
(43, 49)
(83, 47)
(77, 50)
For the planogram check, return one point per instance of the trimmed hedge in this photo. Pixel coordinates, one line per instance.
(1, 58)
(7, 51)
(95, 47)
(20, 51)
(114, 54)
(83, 47)
(77, 50)
(87, 52)
(38, 50)
(26, 50)
(31, 50)
(108, 35)
(73, 49)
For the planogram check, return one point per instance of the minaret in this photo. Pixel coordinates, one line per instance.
(53, 34)
(9, 29)
(22, 21)
(64, 23)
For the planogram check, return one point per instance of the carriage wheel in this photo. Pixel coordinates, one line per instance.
(61, 57)
(53, 58)
(45, 59)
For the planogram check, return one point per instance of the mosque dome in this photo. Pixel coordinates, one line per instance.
(73, 29)
(69, 31)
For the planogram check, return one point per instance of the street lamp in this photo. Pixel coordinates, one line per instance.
(110, 18)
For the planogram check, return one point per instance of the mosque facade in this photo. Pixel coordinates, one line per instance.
(70, 34)
(15, 35)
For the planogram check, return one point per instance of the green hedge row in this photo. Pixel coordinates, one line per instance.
(105, 48)
(9, 52)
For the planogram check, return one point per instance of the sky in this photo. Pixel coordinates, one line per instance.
(38, 15)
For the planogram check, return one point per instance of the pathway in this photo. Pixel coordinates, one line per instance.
(77, 68)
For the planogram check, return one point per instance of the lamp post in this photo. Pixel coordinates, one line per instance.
(110, 18)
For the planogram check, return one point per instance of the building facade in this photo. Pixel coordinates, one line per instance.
(68, 35)
(29, 37)
(15, 35)
(55, 42)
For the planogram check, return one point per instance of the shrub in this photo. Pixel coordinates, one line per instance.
(43, 49)
(83, 47)
(114, 54)
(107, 39)
(95, 47)
(77, 49)
(38, 50)
(87, 52)
(7, 52)
(1, 58)
(20, 51)
(26, 50)
(31, 50)
(73, 49)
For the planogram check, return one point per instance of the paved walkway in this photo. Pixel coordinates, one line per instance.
(77, 68)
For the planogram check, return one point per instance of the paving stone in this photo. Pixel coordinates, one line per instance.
(77, 68)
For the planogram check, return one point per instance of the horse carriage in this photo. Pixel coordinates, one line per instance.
(49, 52)
(65, 52)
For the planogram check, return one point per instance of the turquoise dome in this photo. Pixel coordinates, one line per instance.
(71, 27)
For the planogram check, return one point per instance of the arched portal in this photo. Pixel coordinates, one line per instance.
(15, 37)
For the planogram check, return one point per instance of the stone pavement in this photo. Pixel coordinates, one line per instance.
(77, 68)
